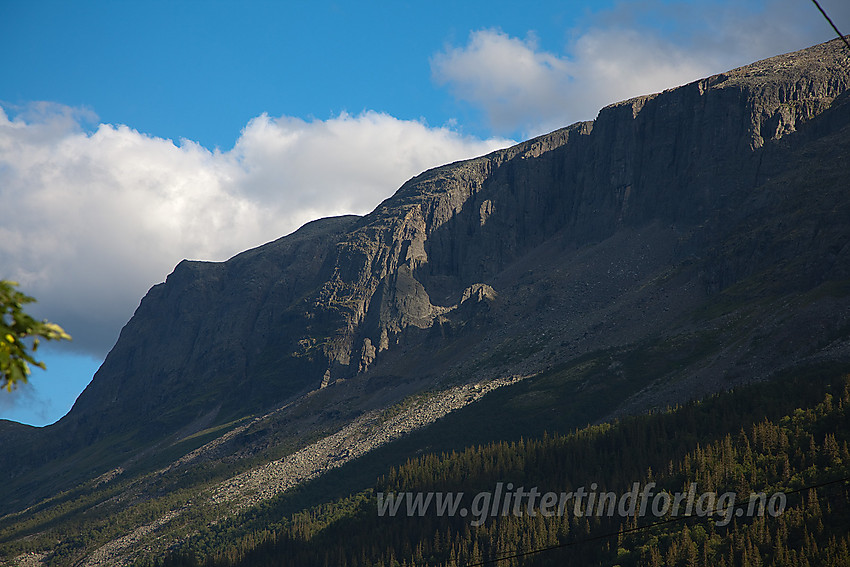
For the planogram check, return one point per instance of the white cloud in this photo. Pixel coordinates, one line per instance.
(347, 164)
(513, 81)
(101, 216)
(520, 88)
(635, 48)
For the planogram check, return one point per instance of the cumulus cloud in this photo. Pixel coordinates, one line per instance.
(632, 49)
(95, 217)
(513, 81)
(97, 213)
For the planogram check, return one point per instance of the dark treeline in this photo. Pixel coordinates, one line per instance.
(785, 436)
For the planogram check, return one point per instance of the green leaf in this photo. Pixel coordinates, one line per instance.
(15, 325)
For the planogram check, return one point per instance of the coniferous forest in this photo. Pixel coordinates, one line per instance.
(789, 436)
(493, 366)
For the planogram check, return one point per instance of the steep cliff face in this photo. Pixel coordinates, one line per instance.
(593, 236)
(325, 302)
(210, 330)
(688, 157)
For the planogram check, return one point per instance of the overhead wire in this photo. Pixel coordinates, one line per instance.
(828, 19)
(636, 529)
(680, 518)
(516, 555)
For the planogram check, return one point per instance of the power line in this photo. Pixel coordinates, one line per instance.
(828, 19)
(636, 529)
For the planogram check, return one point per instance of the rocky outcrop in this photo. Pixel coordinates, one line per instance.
(687, 157)
(498, 242)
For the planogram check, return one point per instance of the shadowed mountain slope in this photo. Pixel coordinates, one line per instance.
(697, 238)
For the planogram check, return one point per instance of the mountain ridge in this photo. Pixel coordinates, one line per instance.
(681, 243)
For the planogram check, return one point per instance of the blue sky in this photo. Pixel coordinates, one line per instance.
(202, 70)
(136, 134)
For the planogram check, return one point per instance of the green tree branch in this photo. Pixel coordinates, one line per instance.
(17, 328)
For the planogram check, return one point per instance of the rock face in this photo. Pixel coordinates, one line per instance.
(214, 328)
(708, 175)
(684, 157)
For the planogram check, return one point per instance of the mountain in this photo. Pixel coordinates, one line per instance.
(680, 244)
